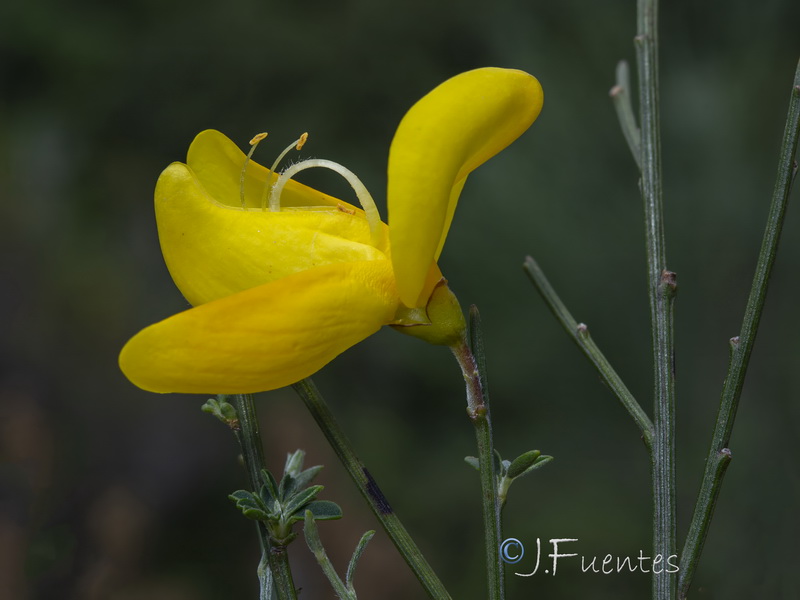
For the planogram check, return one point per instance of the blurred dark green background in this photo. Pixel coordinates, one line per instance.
(110, 492)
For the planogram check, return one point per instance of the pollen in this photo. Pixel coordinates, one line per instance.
(258, 138)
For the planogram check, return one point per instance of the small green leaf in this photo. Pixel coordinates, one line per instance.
(362, 544)
(286, 487)
(324, 510)
(294, 462)
(228, 411)
(269, 481)
(221, 409)
(270, 503)
(245, 498)
(303, 478)
(301, 499)
(256, 514)
(540, 462)
(522, 462)
(473, 462)
(250, 505)
(293, 478)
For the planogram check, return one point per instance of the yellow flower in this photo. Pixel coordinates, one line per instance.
(279, 293)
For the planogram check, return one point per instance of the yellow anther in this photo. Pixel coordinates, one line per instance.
(301, 142)
(258, 138)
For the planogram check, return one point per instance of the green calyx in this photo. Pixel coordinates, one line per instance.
(440, 323)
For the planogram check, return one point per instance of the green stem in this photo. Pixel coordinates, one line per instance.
(369, 489)
(662, 455)
(478, 412)
(661, 292)
(282, 573)
(741, 347)
(249, 438)
(253, 454)
(579, 332)
(476, 346)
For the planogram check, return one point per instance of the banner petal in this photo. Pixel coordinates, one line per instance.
(452, 130)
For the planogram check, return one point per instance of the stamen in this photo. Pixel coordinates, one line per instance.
(297, 144)
(367, 203)
(253, 145)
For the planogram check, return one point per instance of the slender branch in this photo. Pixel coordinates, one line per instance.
(369, 489)
(253, 454)
(716, 466)
(478, 412)
(742, 346)
(661, 292)
(311, 534)
(579, 333)
(620, 95)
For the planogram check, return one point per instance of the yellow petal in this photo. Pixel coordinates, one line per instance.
(266, 337)
(455, 128)
(213, 250)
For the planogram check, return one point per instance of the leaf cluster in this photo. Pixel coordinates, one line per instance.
(222, 410)
(506, 471)
(281, 504)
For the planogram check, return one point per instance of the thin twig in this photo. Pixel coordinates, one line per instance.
(743, 345)
(579, 333)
